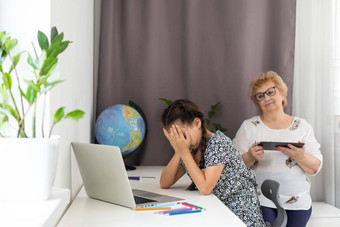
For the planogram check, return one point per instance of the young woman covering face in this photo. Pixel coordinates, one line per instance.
(211, 161)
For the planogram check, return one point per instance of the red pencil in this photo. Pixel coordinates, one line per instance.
(192, 206)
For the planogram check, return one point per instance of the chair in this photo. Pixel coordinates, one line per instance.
(270, 189)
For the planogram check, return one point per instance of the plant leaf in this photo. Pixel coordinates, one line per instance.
(75, 115)
(57, 46)
(167, 101)
(31, 95)
(43, 41)
(49, 86)
(63, 46)
(22, 93)
(10, 44)
(2, 36)
(215, 106)
(7, 80)
(32, 62)
(211, 114)
(3, 94)
(54, 33)
(11, 111)
(35, 86)
(48, 66)
(59, 114)
(3, 120)
(3, 56)
(57, 39)
(38, 62)
(219, 127)
(16, 59)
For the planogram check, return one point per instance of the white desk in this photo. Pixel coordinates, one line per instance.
(85, 211)
(35, 213)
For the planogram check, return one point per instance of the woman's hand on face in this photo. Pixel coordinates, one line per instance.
(293, 152)
(179, 141)
(256, 152)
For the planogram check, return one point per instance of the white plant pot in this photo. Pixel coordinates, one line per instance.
(27, 167)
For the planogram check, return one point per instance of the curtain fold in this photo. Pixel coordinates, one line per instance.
(205, 51)
(313, 94)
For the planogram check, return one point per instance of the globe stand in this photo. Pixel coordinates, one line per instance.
(129, 168)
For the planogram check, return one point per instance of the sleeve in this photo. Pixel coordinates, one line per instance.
(218, 153)
(312, 146)
(242, 139)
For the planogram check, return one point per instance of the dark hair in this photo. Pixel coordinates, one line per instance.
(186, 111)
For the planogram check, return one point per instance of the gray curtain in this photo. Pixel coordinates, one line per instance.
(205, 51)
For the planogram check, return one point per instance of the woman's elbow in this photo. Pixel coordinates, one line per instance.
(314, 170)
(205, 191)
(164, 185)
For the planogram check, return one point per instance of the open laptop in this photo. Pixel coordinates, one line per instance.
(105, 178)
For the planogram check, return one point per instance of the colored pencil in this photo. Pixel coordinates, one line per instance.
(174, 210)
(152, 208)
(185, 212)
(134, 178)
(138, 177)
(192, 205)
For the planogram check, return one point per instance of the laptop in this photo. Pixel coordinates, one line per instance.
(105, 178)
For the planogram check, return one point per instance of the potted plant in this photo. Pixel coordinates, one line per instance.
(211, 113)
(28, 152)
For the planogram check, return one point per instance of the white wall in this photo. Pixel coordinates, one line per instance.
(22, 20)
(76, 19)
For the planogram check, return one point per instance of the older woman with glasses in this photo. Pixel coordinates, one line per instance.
(287, 165)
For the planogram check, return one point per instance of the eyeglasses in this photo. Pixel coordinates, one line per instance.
(270, 92)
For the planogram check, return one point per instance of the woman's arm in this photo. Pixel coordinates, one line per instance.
(172, 172)
(204, 181)
(255, 153)
(246, 146)
(248, 159)
(308, 163)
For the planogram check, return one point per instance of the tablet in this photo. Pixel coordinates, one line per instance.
(273, 145)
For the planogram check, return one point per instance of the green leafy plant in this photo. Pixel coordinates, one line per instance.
(211, 113)
(18, 106)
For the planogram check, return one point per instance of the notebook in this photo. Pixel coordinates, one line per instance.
(104, 176)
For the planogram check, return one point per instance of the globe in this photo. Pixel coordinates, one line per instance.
(122, 126)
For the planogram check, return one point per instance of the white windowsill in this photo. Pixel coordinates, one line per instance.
(35, 213)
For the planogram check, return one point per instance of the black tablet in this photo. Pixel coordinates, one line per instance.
(273, 145)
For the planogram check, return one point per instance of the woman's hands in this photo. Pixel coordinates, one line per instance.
(256, 152)
(205, 180)
(179, 141)
(294, 152)
(308, 163)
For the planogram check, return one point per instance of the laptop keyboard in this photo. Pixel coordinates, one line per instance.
(140, 200)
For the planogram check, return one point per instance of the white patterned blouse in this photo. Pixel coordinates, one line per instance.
(236, 187)
(294, 182)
